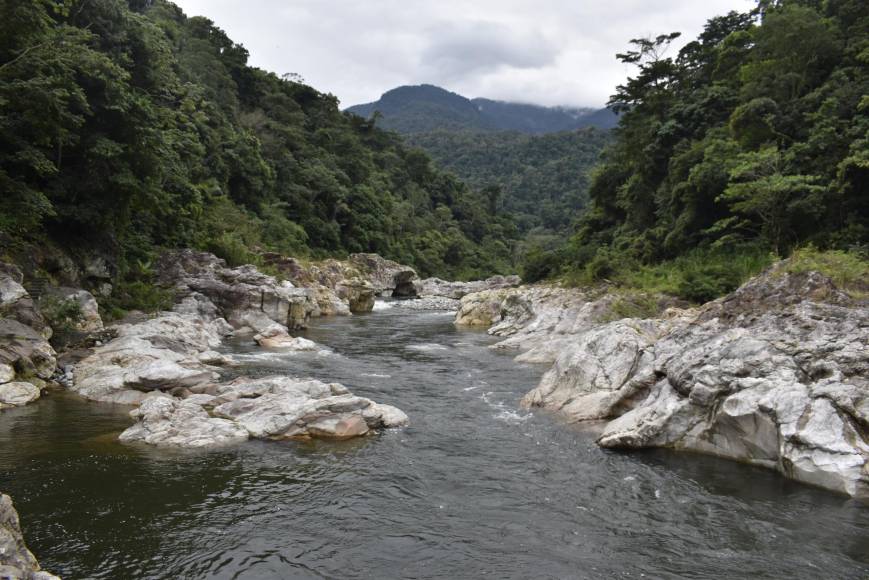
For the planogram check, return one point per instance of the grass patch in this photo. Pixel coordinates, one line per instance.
(849, 270)
(632, 304)
(698, 276)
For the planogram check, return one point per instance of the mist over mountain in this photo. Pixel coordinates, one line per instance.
(424, 108)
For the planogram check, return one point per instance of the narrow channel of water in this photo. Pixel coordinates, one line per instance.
(473, 488)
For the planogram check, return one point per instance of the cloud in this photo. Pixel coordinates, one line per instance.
(550, 52)
(460, 50)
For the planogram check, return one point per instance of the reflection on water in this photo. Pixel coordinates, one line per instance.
(474, 487)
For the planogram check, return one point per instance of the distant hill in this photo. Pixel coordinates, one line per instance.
(425, 108)
(543, 179)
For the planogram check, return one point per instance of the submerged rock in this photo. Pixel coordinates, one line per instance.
(276, 336)
(263, 408)
(16, 561)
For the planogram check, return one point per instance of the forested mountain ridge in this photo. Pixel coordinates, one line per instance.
(753, 139)
(424, 108)
(533, 162)
(540, 180)
(127, 127)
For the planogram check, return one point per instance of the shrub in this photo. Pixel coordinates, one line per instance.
(707, 282)
(61, 314)
(539, 264)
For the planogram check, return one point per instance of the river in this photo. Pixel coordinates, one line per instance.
(474, 487)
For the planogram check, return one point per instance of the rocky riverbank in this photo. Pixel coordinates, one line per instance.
(775, 374)
(16, 561)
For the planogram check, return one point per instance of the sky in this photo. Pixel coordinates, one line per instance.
(546, 52)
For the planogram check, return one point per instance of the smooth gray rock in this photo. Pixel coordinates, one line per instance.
(7, 373)
(388, 278)
(17, 394)
(236, 292)
(170, 422)
(16, 561)
(264, 408)
(26, 350)
(458, 290)
(162, 353)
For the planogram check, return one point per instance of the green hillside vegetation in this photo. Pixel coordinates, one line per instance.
(127, 127)
(540, 180)
(752, 141)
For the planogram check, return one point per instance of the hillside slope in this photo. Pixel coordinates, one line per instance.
(149, 130)
(543, 179)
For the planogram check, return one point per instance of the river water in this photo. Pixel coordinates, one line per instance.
(472, 488)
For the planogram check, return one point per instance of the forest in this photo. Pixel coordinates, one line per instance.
(750, 142)
(127, 127)
(542, 180)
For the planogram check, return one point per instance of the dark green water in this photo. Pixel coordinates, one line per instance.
(473, 488)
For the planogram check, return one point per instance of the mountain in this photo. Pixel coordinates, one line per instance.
(423, 108)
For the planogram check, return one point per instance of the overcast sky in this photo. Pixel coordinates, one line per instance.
(548, 52)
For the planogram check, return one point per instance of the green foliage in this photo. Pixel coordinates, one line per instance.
(131, 127)
(754, 137)
(141, 295)
(632, 304)
(849, 270)
(539, 264)
(542, 180)
(61, 314)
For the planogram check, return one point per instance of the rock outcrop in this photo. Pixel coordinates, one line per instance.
(27, 363)
(243, 295)
(167, 352)
(16, 561)
(458, 290)
(16, 303)
(167, 366)
(262, 408)
(89, 311)
(388, 278)
(775, 374)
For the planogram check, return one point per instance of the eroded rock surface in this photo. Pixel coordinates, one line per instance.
(169, 351)
(238, 294)
(263, 408)
(775, 374)
(458, 290)
(388, 278)
(25, 356)
(16, 561)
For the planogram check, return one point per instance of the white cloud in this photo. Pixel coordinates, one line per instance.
(551, 52)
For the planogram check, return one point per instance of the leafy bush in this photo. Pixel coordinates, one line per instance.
(61, 314)
(707, 282)
(539, 264)
(231, 248)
